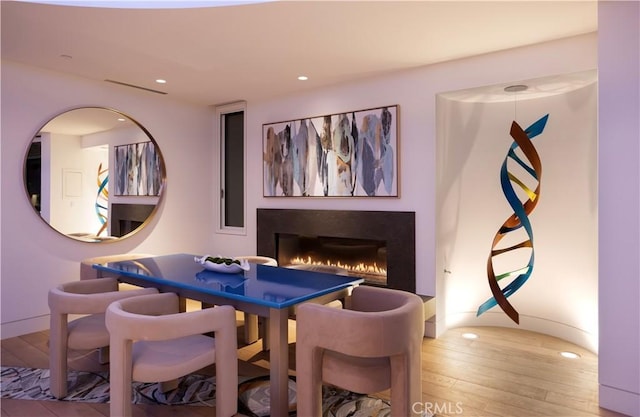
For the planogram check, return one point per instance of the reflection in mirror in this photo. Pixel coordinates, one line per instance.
(94, 174)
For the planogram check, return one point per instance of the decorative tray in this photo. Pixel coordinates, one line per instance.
(222, 264)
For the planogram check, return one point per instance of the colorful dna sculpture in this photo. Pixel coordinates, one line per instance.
(102, 197)
(519, 219)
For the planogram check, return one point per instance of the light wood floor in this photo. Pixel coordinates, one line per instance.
(504, 372)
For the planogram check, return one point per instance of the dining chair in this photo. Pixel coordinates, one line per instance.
(87, 271)
(252, 326)
(326, 269)
(257, 259)
(263, 324)
(372, 345)
(90, 299)
(152, 341)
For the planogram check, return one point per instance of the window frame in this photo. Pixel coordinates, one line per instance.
(219, 196)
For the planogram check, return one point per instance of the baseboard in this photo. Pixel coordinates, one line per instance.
(26, 326)
(620, 401)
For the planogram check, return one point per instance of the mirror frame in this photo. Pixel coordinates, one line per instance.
(97, 239)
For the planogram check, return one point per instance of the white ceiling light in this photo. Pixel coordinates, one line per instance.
(303, 77)
(161, 81)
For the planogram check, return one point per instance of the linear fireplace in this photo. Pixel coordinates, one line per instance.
(125, 218)
(378, 246)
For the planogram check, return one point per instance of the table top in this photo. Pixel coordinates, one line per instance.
(269, 286)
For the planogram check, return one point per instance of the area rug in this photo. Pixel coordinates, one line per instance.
(197, 390)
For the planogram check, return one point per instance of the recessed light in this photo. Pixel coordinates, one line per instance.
(303, 78)
(161, 81)
(469, 335)
(121, 119)
(569, 355)
(515, 88)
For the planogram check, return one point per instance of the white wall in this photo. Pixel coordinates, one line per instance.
(414, 91)
(68, 204)
(619, 205)
(35, 257)
(560, 298)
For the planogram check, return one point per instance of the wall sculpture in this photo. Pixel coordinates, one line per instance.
(521, 166)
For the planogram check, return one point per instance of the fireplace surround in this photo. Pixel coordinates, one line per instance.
(395, 230)
(125, 218)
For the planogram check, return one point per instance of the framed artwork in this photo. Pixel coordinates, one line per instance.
(137, 170)
(351, 154)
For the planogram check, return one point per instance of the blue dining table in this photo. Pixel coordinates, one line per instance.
(267, 291)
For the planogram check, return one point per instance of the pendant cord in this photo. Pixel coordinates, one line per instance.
(515, 89)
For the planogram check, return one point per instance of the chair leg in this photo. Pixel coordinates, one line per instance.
(406, 387)
(166, 386)
(309, 381)
(58, 355)
(226, 373)
(103, 355)
(120, 370)
(263, 328)
(250, 328)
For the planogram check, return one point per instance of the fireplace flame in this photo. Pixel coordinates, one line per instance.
(359, 268)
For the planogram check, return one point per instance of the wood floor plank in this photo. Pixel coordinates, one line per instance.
(19, 348)
(71, 409)
(478, 357)
(525, 381)
(503, 373)
(12, 360)
(452, 399)
(25, 408)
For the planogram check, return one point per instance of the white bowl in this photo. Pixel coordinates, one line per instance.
(233, 268)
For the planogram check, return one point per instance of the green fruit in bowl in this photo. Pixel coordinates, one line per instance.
(219, 260)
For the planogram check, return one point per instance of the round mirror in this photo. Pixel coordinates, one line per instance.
(94, 174)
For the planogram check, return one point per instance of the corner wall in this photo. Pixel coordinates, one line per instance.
(619, 205)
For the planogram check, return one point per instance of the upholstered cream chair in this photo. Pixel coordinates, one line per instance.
(326, 269)
(151, 341)
(87, 271)
(256, 259)
(372, 346)
(88, 298)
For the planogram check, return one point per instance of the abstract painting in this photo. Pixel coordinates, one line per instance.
(522, 167)
(137, 170)
(351, 154)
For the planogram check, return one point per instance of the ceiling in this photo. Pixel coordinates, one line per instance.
(217, 55)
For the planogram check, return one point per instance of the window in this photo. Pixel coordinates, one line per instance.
(231, 119)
